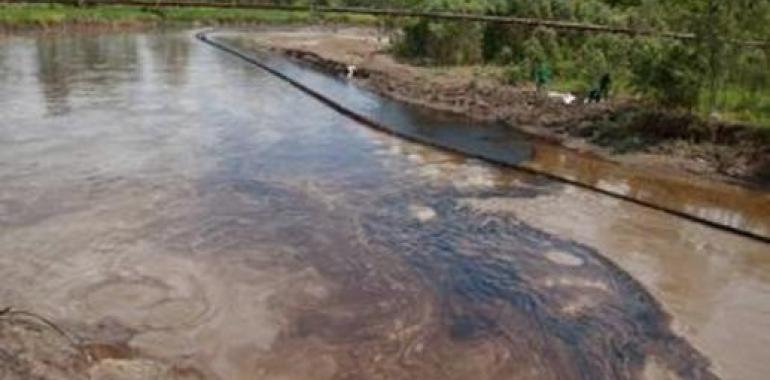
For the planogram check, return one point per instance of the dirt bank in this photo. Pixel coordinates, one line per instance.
(620, 130)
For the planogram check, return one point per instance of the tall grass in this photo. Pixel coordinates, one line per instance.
(19, 15)
(42, 15)
(742, 104)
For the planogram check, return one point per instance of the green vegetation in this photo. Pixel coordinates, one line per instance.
(18, 15)
(46, 15)
(219, 15)
(710, 75)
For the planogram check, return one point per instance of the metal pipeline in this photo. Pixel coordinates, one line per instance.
(203, 36)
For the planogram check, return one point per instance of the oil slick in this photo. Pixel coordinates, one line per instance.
(219, 233)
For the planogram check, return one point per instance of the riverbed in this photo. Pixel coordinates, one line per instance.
(171, 201)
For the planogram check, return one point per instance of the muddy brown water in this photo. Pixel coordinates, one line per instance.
(161, 199)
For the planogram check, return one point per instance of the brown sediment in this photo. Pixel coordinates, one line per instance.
(33, 347)
(29, 349)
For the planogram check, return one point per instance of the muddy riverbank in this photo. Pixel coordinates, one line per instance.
(620, 130)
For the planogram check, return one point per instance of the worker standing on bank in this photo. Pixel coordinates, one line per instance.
(542, 76)
(604, 86)
(602, 91)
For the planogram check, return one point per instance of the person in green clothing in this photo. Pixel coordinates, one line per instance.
(542, 76)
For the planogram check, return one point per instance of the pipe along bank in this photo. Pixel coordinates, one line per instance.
(425, 140)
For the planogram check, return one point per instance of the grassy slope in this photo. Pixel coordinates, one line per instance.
(48, 15)
(742, 105)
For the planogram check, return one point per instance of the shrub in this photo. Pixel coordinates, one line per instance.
(668, 73)
(514, 74)
(413, 42)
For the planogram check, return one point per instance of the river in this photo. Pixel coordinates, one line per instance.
(161, 195)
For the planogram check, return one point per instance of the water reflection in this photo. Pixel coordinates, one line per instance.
(750, 210)
(229, 226)
(722, 203)
(54, 75)
(492, 141)
(71, 68)
(174, 54)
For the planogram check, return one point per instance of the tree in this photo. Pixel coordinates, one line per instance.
(667, 73)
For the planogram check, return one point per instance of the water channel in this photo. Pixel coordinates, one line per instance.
(161, 195)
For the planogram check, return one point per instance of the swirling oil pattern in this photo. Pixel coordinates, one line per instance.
(188, 216)
(539, 298)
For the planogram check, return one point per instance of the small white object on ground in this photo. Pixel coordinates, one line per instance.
(565, 97)
(351, 71)
(422, 213)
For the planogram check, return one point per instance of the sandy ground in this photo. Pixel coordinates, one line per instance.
(480, 93)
